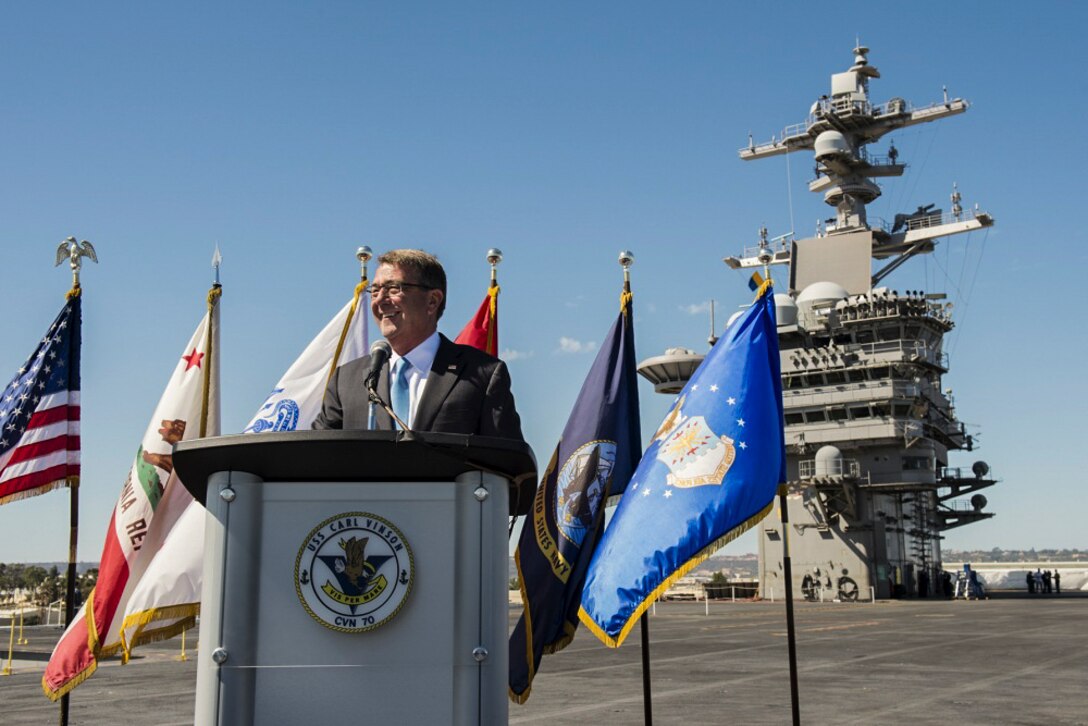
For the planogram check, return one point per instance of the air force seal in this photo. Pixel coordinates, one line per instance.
(353, 572)
(695, 454)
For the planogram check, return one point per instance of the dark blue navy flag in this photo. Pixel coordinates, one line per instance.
(710, 473)
(593, 461)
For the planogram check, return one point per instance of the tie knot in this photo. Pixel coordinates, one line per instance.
(401, 367)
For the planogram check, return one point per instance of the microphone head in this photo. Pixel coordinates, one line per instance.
(379, 356)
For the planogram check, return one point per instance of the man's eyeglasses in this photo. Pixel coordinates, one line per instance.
(395, 288)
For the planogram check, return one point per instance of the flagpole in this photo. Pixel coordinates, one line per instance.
(494, 257)
(791, 638)
(626, 259)
(787, 568)
(75, 252)
(363, 255)
(210, 338)
(70, 590)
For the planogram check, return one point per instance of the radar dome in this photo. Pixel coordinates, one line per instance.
(828, 461)
(981, 469)
(822, 291)
(733, 319)
(978, 502)
(785, 309)
(831, 144)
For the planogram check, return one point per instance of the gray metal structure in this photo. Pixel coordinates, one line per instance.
(869, 426)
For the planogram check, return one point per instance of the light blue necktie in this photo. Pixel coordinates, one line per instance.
(399, 394)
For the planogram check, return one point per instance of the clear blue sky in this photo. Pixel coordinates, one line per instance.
(290, 133)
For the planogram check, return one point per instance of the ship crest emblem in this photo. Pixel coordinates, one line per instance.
(580, 487)
(353, 572)
(694, 453)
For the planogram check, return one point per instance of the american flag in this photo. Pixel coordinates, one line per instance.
(39, 413)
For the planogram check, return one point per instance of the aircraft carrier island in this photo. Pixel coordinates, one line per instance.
(868, 422)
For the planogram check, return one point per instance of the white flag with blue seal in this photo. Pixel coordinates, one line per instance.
(296, 400)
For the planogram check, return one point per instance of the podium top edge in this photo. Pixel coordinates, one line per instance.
(357, 456)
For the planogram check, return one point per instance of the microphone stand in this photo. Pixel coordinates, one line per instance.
(376, 400)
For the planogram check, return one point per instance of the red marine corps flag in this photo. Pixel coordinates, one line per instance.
(483, 330)
(151, 501)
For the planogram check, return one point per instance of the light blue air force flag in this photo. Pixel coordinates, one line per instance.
(711, 472)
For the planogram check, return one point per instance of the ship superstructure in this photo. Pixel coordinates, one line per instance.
(869, 425)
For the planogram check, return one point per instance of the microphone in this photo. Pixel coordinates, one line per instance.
(379, 356)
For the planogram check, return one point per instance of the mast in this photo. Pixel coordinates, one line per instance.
(837, 130)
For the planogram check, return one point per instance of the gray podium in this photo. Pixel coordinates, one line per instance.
(355, 576)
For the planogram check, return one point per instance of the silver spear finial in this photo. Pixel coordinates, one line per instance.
(217, 260)
(494, 257)
(626, 259)
(364, 254)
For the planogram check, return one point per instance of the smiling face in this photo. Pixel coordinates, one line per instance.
(407, 319)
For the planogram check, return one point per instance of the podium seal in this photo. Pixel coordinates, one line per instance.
(353, 572)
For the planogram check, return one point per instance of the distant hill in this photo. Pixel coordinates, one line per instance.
(732, 566)
(998, 554)
(81, 567)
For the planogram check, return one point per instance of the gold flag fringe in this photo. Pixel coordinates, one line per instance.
(92, 646)
(70, 683)
(41, 489)
(185, 614)
(522, 698)
(684, 569)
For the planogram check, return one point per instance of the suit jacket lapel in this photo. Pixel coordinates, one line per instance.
(444, 373)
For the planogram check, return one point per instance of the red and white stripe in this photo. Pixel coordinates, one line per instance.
(48, 451)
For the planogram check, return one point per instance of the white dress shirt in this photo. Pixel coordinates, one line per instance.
(422, 358)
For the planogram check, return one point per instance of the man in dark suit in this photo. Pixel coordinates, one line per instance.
(432, 383)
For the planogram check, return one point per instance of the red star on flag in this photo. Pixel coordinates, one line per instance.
(193, 359)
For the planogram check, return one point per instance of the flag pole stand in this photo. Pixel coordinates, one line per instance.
(70, 589)
(790, 631)
(11, 649)
(647, 705)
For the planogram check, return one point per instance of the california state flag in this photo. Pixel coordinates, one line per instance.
(167, 598)
(148, 509)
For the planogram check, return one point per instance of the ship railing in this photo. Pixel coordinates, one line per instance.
(845, 107)
(810, 468)
(875, 160)
(957, 472)
(914, 349)
(957, 505)
(776, 245)
(894, 307)
(790, 131)
(926, 221)
(895, 107)
(842, 106)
